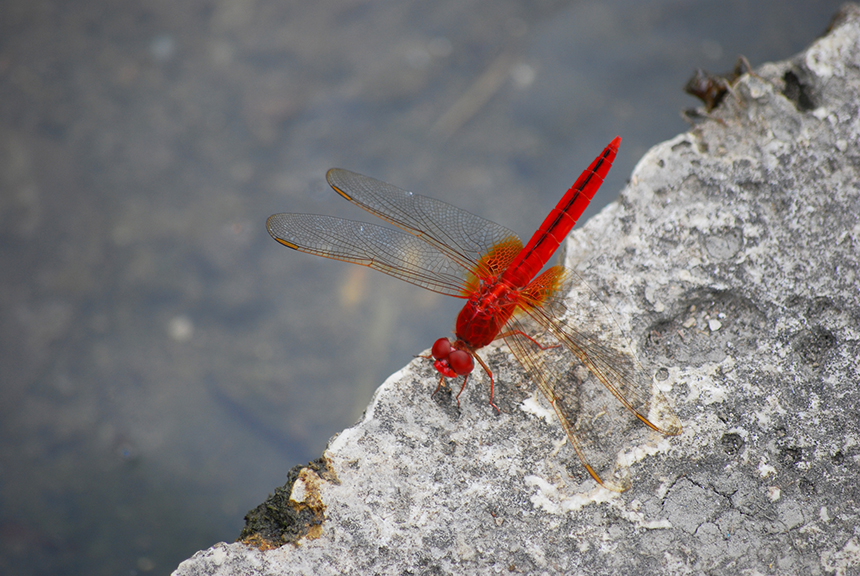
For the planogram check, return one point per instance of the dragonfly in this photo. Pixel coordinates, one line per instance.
(509, 297)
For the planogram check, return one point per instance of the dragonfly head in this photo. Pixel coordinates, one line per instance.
(451, 361)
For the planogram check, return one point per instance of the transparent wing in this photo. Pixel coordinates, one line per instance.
(385, 249)
(617, 368)
(461, 236)
(593, 421)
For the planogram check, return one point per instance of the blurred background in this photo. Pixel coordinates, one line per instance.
(163, 362)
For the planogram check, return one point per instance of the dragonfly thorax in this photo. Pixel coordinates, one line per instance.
(484, 316)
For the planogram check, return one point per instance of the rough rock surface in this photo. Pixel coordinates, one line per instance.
(732, 259)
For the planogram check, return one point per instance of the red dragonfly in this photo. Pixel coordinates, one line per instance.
(450, 251)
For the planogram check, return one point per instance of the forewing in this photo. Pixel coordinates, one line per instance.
(463, 237)
(385, 249)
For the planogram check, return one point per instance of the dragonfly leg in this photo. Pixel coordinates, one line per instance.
(491, 394)
(490, 374)
(521, 333)
(463, 387)
(441, 382)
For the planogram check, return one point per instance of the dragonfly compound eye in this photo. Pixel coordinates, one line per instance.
(461, 362)
(441, 349)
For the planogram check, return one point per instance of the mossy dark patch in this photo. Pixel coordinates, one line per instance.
(280, 519)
